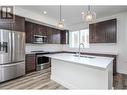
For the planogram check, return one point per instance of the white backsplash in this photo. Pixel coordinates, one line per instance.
(44, 47)
(95, 48)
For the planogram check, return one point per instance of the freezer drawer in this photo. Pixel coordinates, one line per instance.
(12, 71)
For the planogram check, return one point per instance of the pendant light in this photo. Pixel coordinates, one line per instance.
(90, 15)
(60, 23)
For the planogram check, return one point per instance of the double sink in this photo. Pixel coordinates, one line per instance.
(85, 56)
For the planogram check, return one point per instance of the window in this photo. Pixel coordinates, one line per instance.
(81, 36)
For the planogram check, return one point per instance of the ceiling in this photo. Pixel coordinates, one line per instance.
(72, 14)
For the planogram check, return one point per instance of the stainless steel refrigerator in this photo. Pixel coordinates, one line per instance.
(12, 54)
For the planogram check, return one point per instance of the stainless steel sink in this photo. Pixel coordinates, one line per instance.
(85, 56)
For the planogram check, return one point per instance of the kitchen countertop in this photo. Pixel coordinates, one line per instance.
(96, 62)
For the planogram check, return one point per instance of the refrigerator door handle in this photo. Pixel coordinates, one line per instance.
(13, 46)
(9, 65)
(10, 46)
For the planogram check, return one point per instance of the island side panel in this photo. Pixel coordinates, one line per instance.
(110, 75)
(77, 76)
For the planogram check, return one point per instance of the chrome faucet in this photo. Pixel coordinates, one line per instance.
(80, 48)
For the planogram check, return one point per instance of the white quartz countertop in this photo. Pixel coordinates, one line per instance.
(96, 62)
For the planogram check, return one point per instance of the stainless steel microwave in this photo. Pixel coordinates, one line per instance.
(39, 39)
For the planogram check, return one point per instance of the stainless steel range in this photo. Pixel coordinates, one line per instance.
(12, 54)
(42, 61)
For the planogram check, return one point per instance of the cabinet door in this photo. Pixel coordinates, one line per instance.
(97, 33)
(43, 30)
(39, 29)
(53, 36)
(111, 31)
(5, 25)
(16, 24)
(92, 33)
(103, 32)
(19, 24)
(56, 36)
(35, 29)
(29, 29)
(64, 36)
(49, 35)
(100, 33)
(30, 63)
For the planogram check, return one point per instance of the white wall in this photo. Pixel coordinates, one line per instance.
(36, 18)
(29, 14)
(116, 48)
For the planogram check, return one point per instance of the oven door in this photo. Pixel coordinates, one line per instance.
(43, 62)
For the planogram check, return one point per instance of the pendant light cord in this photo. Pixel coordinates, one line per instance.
(60, 12)
(89, 8)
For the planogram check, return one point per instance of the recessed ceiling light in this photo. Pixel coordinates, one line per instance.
(44, 12)
(82, 13)
(63, 19)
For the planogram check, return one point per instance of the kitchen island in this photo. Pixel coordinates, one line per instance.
(85, 72)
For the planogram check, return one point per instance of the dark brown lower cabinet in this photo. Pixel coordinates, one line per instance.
(30, 63)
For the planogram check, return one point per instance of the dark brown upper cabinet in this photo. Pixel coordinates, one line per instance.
(43, 30)
(49, 35)
(54, 36)
(103, 32)
(39, 30)
(17, 24)
(64, 36)
(32, 29)
(29, 29)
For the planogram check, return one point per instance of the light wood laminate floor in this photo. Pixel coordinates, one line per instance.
(41, 80)
(35, 80)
